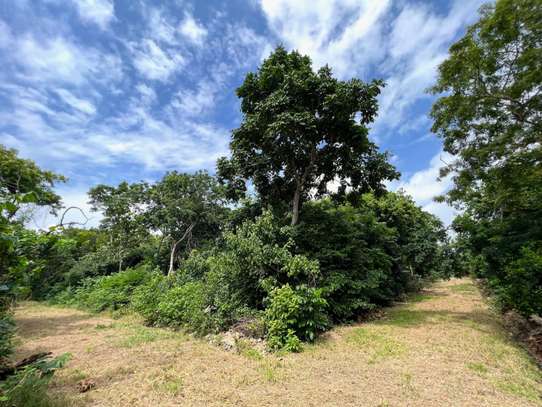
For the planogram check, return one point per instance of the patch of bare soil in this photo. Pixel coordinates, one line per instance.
(443, 348)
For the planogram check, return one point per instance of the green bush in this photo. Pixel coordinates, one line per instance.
(184, 306)
(370, 252)
(147, 296)
(107, 292)
(28, 386)
(7, 326)
(521, 287)
(294, 315)
(7, 331)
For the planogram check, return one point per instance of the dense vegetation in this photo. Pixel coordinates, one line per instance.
(491, 120)
(320, 241)
(22, 184)
(197, 252)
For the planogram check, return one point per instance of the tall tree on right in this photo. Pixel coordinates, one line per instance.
(490, 119)
(301, 130)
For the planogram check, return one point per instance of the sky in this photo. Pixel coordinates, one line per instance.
(103, 91)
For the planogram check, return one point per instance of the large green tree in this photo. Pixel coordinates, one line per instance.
(123, 215)
(22, 183)
(491, 114)
(184, 208)
(302, 130)
(490, 118)
(20, 177)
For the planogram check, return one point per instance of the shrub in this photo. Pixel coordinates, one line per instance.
(7, 330)
(107, 292)
(7, 326)
(28, 386)
(146, 297)
(184, 306)
(370, 251)
(294, 315)
(521, 287)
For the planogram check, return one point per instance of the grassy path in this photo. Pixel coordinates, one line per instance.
(444, 348)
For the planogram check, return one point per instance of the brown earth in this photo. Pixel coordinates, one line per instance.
(445, 347)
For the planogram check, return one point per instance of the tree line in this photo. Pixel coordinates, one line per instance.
(296, 231)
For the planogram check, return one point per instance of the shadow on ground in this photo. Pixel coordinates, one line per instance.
(32, 326)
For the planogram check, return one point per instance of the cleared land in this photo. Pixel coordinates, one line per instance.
(445, 347)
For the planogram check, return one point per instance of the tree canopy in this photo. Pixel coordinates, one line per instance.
(490, 119)
(302, 130)
(19, 177)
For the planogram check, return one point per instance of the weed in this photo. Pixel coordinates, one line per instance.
(269, 369)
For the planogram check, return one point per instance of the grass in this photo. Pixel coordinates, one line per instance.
(377, 345)
(105, 326)
(141, 335)
(420, 297)
(169, 382)
(479, 368)
(246, 349)
(443, 347)
(404, 317)
(466, 288)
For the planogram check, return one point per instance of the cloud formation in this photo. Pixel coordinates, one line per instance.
(103, 90)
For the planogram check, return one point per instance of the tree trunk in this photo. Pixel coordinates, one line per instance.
(186, 234)
(172, 258)
(295, 205)
(120, 264)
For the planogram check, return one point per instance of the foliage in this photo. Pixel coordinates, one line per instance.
(19, 177)
(185, 208)
(22, 183)
(370, 251)
(294, 315)
(184, 306)
(350, 246)
(521, 287)
(146, 297)
(300, 131)
(106, 292)
(28, 386)
(122, 209)
(7, 330)
(490, 119)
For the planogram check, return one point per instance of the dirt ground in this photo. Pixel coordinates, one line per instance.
(445, 347)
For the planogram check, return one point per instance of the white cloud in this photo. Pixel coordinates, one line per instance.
(155, 63)
(59, 60)
(192, 30)
(403, 44)
(424, 186)
(160, 28)
(147, 94)
(317, 28)
(80, 104)
(80, 215)
(99, 12)
(5, 35)
(194, 102)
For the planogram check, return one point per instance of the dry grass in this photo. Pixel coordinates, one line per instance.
(444, 348)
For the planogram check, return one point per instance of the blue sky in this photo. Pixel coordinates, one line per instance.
(110, 90)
